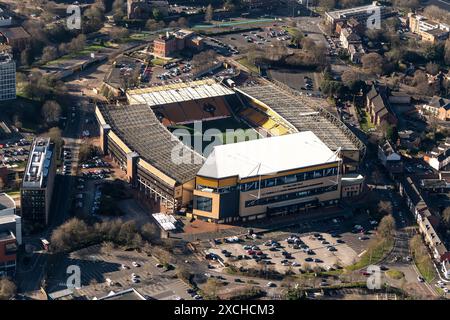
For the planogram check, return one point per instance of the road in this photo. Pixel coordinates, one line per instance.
(29, 277)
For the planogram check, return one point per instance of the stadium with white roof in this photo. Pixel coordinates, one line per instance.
(295, 161)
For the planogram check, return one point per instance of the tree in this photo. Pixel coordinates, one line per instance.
(118, 34)
(386, 227)
(211, 287)
(93, 18)
(72, 234)
(327, 4)
(86, 152)
(446, 216)
(7, 289)
(183, 22)
(420, 81)
(447, 52)
(173, 24)
(435, 13)
(432, 68)
(296, 37)
(152, 25)
(407, 4)
(157, 14)
(55, 136)
(118, 5)
(331, 88)
(51, 111)
(77, 44)
(26, 57)
(385, 207)
(209, 13)
(352, 79)
(2, 184)
(373, 63)
(150, 231)
(49, 53)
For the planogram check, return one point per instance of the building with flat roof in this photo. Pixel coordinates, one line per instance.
(10, 235)
(38, 180)
(265, 177)
(429, 31)
(7, 77)
(361, 14)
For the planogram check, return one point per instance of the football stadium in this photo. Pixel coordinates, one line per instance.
(227, 153)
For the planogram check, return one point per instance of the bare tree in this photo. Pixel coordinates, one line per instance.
(209, 13)
(386, 228)
(373, 63)
(7, 289)
(51, 111)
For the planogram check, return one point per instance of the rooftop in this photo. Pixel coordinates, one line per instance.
(267, 156)
(154, 96)
(6, 202)
(129, 294)
(338, 14)
(305, 114)
(6, 235)
(15, 33)
(39, 161)
(141, 131)
(5, 57)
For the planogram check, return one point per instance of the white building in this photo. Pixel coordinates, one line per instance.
(7, 77)
(5, 19)
(8, 218)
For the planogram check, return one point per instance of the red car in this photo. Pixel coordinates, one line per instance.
(250, 252)
(259, 253)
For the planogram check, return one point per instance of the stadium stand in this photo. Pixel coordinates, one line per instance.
(305, 114)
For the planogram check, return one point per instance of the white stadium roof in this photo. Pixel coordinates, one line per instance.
(267, 156)
(154, 96)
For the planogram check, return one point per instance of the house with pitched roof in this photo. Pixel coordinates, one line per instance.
(378, 106)
(439, 107)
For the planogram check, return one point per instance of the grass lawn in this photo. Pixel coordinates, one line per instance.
(395, 274)
(159, 61)
(226, 130)
(86, 51)
(374, 255)
(248, 64)
(426, 268)
(365, 122)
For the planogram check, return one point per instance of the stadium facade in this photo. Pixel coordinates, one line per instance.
(299, 165)
(275, 175)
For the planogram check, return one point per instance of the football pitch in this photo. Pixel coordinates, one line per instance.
(218, 131)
